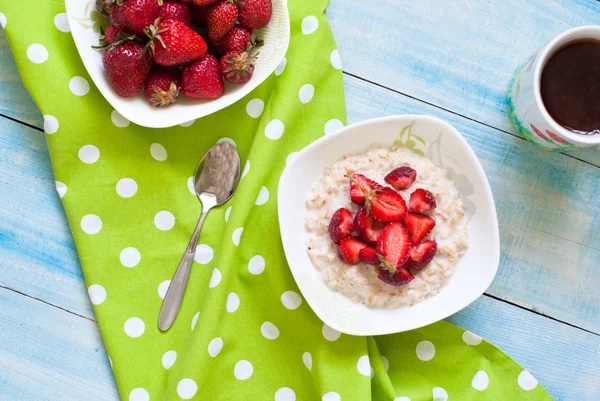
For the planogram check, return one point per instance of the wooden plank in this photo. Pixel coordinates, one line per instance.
(459, 55)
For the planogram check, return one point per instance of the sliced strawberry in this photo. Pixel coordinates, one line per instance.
(420, 255)
(418, 226)
(369, 256)
(401, 178)
(367, 227)
(400, 277)
(349, 250)
(421, 200)
(340, 225)
(356, 194)
(386, 205)
(393, 245)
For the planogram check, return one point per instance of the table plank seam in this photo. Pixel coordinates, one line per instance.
(21, 122)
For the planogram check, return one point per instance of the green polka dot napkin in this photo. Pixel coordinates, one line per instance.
(244, 331)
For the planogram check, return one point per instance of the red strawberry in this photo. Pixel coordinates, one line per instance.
(199, 15)
(237, 66)
(418, 226)
(202, 79)
(135, 15)
(349, 250)
(401, 178)
(204, 2)
(162, 87)
(357, 182)
(340, 225)
(393, 245)
(127, 66)
(178, 11)
(255, 14)
(367, 227)
(400, 277)
(173, 42)
(235, 40)
(420, 255)
(220, 18)
(110, 34)
(421, 200)
(386, 205)
(369, 256)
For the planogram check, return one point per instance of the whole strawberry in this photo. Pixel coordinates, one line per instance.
(127, 66)
(237, 66)
(201, 79)
(175, 10)
(220, 18)
(255, 14)
(135, 15)
(236, 40)
(173, 42)
(162, 87)
(204, 2)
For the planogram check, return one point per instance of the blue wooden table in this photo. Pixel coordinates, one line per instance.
(451, 59)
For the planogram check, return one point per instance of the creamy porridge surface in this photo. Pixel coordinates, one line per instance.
(360, 283)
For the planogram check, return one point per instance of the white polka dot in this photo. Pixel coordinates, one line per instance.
(163, 287)
(285, 394)
(89, 154)
(237, 235)
(164, 220)
(291, 300)
(190, 185)
(243, 370)
(139, 394)
(274, 129)
(61, 188)
(158, 152)
(233, 302)
(50, 124)
(37, 53)
(215, 346)
(470, 338)
(215, 279)
(187, 388)
(364, 365)
(263, 196)
(330, 334)
(307, 359)
(130, 257)
(227, 214)
(195, 320)
(134, 327)
(169, 359)
(97, 294)
(333, 126)
(480, 381)
(204, 254)
(331, 396)
(291, 157)
(256, 265)
(309, 24)
(187, 124)
(280, 67)
(79, 86)
(402, 399)
(246, 168)
(226, 139)
(425, 351)
(3, 20)
(336, 62)
(527, 381)
(255, 108)
(439, 394)
(118, 120)
(269, 331)
(62, 23)
(306, 93)
(126, 187)
(91, 224)
(385, 362)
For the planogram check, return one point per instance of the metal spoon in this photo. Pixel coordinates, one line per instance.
(217, 177)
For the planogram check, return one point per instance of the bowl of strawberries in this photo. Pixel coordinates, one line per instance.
(161, 63)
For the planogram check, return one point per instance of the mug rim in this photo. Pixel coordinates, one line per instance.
(593, 31)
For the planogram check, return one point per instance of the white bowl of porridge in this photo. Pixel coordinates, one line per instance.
(355, 297)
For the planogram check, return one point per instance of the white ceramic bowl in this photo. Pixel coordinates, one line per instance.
(276, 37)
(446, 147)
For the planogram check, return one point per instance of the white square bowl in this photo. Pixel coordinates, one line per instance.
(276, 38)
(446, 147)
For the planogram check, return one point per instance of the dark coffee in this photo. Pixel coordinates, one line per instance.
(570, 86)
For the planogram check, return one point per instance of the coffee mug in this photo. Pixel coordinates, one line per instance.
(525, 104)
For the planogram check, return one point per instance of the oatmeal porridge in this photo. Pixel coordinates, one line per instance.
(360, 281)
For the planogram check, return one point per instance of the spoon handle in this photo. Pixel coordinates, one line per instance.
(174, 296)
